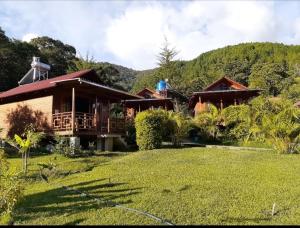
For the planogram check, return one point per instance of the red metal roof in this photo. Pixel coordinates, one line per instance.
(145, 90)
(41, 85)
(225, 79)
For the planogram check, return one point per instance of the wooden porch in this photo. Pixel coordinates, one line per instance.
(86, 114)
(86, 124)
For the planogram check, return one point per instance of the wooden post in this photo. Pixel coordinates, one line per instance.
(221, 104)
(96, 114)
(108, 119)
(234, 102)
(101, 116)
(124, 114)
(139, 108)
(176, 105)
(73, 110)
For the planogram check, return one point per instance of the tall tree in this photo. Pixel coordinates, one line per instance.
(167, 67)
(166, 55)
(15, 59)
(106, 72)
(3, 37)
(59, 55)
(273, 78)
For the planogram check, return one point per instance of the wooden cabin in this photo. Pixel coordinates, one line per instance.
(150, 100)
(161, 98)
(221, 93)
(75, 105)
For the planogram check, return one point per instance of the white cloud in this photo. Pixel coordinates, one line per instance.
(296, 28)
(131, 33)
(29, 36)
(77, 23)
(135, 36)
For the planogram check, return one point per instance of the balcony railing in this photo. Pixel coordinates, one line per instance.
(87, 122)
(113, 125)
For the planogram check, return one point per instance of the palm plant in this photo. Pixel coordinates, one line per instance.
(180, 126)
(31, 139)
(283, 130)
(242, 121)
(209, 121)
(25, 145)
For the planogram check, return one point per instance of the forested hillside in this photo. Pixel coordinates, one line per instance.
(270, 66)
(273, 67)
(16, 57)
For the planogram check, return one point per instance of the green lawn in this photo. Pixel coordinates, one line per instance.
(183, 186)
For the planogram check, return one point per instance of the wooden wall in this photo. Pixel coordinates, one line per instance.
(200, 107)
(43, 105)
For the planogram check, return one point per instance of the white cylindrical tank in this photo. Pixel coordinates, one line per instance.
(40, 66)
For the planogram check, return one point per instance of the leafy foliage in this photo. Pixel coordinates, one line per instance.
(16, 56)
(271, 120)
(154, 126)
(31, 139)
(149, 133)
(56, 53)
(10, 191)
(180, 126)
(209, 123)
(108, 74)
(272, 78)
(239, 62)
(282, 129)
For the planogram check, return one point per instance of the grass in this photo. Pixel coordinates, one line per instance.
(184, 186)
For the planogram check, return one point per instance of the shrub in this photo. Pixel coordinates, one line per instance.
(178, 126)
(149, 129)
(209, 123)
(155, 126)
(240, 122)
(10, 191)
(283, 129)
(272, 120)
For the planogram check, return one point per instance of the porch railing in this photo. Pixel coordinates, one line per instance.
(83, 121)
(87, 122)
(113, 125)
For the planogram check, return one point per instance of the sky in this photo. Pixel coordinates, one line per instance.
(131, 33)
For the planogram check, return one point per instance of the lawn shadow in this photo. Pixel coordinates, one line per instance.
(110, 154)
(75, 222)
(243, 220)
(62, 201)
(34, 175)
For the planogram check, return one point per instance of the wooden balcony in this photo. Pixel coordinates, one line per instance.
(86, 123)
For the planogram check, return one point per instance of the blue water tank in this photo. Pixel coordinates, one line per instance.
(161, 85)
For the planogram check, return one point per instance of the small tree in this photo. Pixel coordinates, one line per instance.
(31, 139)
(169, 68)
(167, 54)
(25, 145)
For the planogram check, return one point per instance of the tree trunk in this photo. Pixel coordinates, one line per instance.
(26, 157)
(23, 162)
